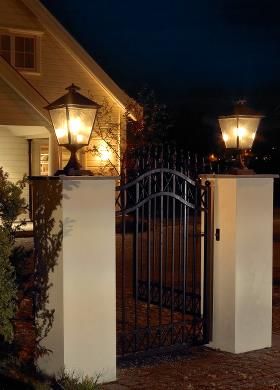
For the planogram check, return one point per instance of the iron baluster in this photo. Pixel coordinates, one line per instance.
(161, 256)
(136, 267)
(194, 259)
(149, 261)
(184, 262)
(180, 242)
(187, 186)
(173, 258)
(142, 277)
(166, 240)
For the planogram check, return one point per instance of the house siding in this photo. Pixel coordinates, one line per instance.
(13, 13)
(14, 152)
(14, 110)
(58, 69)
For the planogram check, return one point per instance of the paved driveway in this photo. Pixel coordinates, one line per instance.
(204, 368)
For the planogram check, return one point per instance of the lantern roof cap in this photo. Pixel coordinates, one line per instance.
(241, 109)
(73, 99)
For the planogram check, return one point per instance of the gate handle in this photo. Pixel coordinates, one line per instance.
(217, 234)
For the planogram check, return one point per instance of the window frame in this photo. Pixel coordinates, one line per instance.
(36, 36)
(44, 163)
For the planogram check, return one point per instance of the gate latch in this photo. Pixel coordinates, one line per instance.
(217, 234)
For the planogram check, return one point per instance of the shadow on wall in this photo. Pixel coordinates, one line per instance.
(49, 230)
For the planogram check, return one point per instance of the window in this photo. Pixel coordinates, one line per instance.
(20, 51)
(44, 160)
(5, 47)
(25, 53)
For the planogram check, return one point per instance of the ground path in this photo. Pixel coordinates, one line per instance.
(204, 368)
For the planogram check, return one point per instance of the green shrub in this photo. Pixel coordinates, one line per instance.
(12, 205)
(8, 288)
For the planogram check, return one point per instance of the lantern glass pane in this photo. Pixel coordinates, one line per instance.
(244, 127)
(81, 121)
(59, 120)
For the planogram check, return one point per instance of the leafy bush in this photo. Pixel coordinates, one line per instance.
(8, 288)
(12, 205)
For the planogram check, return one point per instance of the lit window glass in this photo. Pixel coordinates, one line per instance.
(44, 160)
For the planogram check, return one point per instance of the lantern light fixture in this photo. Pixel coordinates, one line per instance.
(239, 132)
(73, 116)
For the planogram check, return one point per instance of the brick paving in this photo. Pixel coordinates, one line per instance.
(206, 369)
(203, 368)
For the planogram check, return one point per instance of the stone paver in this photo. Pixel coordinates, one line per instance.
(204, 368)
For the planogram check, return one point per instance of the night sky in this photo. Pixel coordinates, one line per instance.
(198, 56)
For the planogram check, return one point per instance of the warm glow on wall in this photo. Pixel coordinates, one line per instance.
(104, 152)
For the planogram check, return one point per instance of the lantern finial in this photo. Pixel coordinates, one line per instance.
(73, 88)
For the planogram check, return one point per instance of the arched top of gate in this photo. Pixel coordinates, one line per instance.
(161, 183)
(153, 172)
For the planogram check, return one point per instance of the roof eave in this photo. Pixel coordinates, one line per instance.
(77, 52)
(19, 84)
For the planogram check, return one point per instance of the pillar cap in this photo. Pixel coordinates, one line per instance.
(78, 178)
(255, 176)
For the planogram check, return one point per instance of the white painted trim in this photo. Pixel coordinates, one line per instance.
(13, 33)
(75, 178)
(256, 176)
(28, 132)
(13, 30)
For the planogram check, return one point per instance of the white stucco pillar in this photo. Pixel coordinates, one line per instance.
(53, 154)
(242, 278)
(83, 336)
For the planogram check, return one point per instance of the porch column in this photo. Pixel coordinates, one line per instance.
(53, 154)
(83, 336)
(242, 279)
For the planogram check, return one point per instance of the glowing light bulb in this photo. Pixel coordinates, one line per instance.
(240, 132)
(80, 138)
(74, 124)
(60, 133)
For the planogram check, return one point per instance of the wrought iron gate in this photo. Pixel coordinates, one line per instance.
(163, 261)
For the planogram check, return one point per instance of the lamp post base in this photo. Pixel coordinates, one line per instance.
(239, 166)
(73, 167)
